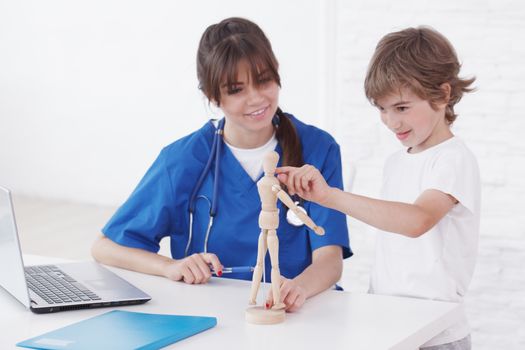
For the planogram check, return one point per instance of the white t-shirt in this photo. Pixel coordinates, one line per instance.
(439, 264)
(251, 159)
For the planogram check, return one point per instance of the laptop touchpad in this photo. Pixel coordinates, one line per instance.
(103, 284)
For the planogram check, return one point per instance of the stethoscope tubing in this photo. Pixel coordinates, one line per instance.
(215, 154)
(215, 150)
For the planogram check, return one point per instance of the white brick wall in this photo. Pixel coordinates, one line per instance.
(489, 37)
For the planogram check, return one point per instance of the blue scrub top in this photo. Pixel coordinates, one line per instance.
(158, 207)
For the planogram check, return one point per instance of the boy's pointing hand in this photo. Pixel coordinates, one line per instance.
(305, 181)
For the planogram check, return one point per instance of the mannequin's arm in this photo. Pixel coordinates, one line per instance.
(285, 198)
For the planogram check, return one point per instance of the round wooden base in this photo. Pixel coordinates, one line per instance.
(261, 315)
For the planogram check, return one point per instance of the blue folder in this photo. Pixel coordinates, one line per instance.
(122, 330)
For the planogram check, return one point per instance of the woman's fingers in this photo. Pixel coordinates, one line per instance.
(204, 268)
(186, 274)
(291, 298)
(196, 274)
(292, 295)
(269, 300)
(295, 302)
(195, 269)
(213, 260)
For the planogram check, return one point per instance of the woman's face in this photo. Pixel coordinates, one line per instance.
(249, 105)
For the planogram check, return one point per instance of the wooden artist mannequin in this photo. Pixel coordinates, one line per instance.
(269, 191)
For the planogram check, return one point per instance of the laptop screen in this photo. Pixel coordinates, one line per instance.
(12, 276)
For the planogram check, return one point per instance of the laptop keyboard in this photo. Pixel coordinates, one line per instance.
(55, 286)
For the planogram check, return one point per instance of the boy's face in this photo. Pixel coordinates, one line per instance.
(416, 124)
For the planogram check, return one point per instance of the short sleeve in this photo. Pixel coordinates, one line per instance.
(333, 222)
(456, 173)
(145, 218)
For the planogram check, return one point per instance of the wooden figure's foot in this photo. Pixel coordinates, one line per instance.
(278, 306)
(251, 302)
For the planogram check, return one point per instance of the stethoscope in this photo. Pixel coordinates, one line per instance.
(215, 152)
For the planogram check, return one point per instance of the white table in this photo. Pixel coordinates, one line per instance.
(331, 320)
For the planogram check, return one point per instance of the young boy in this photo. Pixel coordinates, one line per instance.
(428, 217)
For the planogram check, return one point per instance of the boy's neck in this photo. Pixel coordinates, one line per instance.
(438, 136)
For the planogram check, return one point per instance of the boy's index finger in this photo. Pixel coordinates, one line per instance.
(284, 169)
(282, 177)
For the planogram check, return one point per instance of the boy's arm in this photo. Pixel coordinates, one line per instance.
(410, 220)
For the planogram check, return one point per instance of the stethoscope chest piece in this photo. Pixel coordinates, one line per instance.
(292, 218)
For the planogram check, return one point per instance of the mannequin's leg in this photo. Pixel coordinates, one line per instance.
(257, 272)
(273, 247)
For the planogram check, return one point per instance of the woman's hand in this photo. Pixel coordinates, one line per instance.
(292, 294)
(306, 181)
(194, 269)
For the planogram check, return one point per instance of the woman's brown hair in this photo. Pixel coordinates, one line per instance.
(421, 59)
(222, 47)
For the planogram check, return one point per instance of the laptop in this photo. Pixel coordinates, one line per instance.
(59, 287)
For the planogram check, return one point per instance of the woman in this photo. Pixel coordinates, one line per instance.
(238, 73)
